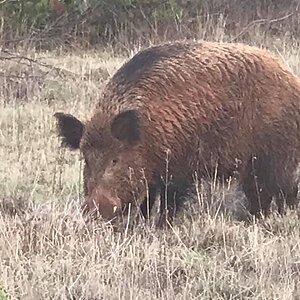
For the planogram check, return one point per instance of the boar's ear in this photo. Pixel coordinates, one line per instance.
(126, 126)
(70, 129)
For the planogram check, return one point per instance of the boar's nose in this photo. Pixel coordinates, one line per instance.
(101, 202)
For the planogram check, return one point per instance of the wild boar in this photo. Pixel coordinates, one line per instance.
(177, 109)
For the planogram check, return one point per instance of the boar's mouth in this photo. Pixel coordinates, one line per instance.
(102, 203)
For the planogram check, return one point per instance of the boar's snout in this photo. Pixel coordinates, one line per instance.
(102, 202)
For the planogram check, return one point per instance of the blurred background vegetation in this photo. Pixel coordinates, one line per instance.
(48, 23)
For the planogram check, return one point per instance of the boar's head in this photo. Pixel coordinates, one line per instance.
(112, 151)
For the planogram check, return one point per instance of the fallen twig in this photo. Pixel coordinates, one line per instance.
(13, 56)
(262, 21)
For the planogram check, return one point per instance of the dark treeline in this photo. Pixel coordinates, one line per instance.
(49, 23)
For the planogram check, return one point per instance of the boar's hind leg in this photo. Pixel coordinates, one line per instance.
(288, 196)
(287, 186)
(171, 198)
(259, 185)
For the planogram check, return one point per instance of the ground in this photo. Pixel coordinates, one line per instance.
(47, 251)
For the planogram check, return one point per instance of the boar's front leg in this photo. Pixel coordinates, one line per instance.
(149, 200)
(171, 199)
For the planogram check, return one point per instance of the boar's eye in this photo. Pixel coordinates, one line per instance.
(114, 162)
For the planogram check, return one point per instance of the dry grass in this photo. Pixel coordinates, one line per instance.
(47, 251)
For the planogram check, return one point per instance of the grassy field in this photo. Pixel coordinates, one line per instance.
(47, 251)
